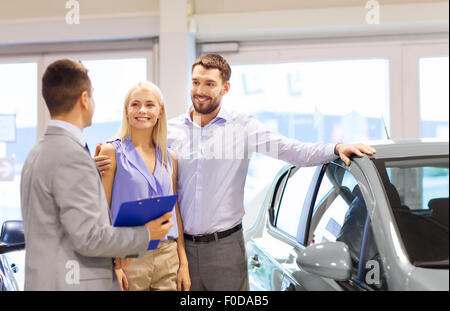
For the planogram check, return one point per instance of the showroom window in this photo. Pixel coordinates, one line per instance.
(311, 101)
(331, 101)
(434, 96)
(18, 121)
(111, 76)
(109, 94)
(339, 90)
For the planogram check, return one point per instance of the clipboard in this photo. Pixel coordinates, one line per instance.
(138, 213)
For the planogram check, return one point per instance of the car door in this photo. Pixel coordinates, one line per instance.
(268, 253)
(294, 277)
(337, 213)
(264, 251)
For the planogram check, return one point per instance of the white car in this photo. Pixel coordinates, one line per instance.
(379, 224)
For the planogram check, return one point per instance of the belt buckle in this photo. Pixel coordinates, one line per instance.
(196, 238)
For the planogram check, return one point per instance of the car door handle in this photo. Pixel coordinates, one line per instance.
(254, 261)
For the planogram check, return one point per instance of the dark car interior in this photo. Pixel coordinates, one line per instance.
(424, 232)
(425, 235)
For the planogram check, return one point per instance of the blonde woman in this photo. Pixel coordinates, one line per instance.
(142, 166)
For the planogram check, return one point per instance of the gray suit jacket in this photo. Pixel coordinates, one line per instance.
(69, 239)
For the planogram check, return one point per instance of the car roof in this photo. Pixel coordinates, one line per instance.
(409, 148)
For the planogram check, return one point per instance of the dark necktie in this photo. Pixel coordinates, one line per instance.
(87, 148)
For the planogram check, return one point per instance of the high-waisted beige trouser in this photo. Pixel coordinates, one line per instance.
(156, 270)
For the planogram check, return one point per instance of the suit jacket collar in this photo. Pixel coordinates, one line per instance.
(59, 131)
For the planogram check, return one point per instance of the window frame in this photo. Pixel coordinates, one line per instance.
(277, 197)
(312, 212)
(402, 52)
(88, 51)
(50, 58)
(411, 84)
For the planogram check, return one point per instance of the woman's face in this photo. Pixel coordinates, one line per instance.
(143, 110)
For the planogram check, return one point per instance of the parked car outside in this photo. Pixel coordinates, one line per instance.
(380, 223)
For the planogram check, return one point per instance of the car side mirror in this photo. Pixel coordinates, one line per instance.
(12, 237)
(331, 260)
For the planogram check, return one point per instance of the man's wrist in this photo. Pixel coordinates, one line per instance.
(336, 152)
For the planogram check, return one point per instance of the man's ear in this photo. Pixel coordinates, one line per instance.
(226, 88)
(84, 100)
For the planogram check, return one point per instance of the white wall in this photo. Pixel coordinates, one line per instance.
(218, 20)
(408, 17)
(45, 9)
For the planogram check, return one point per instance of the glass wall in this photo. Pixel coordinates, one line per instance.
(18, 121)
(18, 113)
(434, 97)
(329, 101)
(111, 80)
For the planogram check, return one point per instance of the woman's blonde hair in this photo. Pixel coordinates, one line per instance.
(159, 134)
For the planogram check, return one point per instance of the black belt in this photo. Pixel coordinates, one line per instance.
(213, 236)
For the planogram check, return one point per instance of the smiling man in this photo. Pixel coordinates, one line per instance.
(211, 183)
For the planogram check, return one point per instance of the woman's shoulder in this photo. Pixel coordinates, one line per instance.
(108, 148)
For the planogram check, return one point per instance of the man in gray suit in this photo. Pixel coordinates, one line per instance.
(70, 242)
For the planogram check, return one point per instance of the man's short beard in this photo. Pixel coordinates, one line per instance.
(209, 109)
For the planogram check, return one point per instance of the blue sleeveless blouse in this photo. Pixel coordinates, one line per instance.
(134, 180)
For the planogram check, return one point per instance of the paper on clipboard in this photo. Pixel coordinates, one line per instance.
(138, 213)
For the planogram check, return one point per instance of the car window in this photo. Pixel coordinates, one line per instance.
(417, 186)
(417, 189)
(340, 214)
(331, 207)
(293, 198)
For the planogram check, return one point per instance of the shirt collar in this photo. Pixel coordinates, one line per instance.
(73, 129)
(222, 115)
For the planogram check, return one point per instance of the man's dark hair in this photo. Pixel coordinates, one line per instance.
(62, 84)
(217, 62)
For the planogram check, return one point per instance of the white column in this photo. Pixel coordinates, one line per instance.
(176, 55)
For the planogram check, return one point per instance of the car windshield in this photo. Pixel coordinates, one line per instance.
(418, 190)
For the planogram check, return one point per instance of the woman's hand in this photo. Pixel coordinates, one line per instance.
(122, 279)
(120, 263)
(184, 280)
